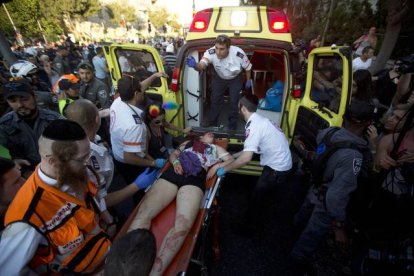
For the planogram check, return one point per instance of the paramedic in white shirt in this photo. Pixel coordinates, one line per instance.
(228, 62)
(265, 138)
(128, 129)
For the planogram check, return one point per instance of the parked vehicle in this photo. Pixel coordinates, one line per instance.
(263, 33)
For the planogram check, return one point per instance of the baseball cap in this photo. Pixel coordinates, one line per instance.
(360, 111)
(65, 84)
(17, 88)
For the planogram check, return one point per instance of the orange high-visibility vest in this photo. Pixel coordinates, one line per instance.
(76, 243)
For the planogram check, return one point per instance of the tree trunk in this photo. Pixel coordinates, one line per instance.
(331, 6)
(397, 9)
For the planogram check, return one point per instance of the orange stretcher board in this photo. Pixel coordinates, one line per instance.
(162, 223)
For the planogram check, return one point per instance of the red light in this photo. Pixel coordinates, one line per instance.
(174, 79)
(278, 25)
(296, 92)
(201, 20)
(200, 25)
(277, 20)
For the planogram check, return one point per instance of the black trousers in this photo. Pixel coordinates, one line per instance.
(263, 194)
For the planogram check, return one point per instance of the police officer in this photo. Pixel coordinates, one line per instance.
(327, 204)
(265, 138)
(21, 128)
(92, 88)
(228, 62)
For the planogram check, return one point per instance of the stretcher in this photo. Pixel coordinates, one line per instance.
(208, 214)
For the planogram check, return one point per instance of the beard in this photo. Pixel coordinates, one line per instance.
(26, 113)
(75, 178)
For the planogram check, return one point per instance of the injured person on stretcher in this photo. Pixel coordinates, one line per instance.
(192, 162)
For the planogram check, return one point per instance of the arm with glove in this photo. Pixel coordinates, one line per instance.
(142, 182)
(198, 66)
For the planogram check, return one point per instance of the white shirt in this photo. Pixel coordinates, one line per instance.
(19, 242)
(101, 160)
(265, 138)
(128, 130)
(124, 64)
(358, 64)
(229, 67)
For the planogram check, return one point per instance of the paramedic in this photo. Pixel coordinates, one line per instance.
(228, 62)
(265, 138)
(327, 205)
(128, 129)
(53, 217)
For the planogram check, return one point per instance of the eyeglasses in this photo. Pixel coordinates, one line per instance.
(83, 160)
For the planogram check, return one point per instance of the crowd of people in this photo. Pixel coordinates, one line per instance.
(71, 141)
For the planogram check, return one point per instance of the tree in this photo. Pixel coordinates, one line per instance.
(158, 17)
(50, 14)
(121, 11)
(397, 11)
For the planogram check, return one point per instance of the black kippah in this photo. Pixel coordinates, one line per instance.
(64, 130)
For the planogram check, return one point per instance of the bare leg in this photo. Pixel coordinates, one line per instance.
(158, 197)
(188, 204)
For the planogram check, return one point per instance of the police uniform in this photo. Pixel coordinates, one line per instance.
(128, 134)
(97, 92)
(340, 179)
(265, 138)
(228, 76)
(21, 139)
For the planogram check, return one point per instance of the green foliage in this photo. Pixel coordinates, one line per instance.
(121, 10)
(158, 17)
(25, 14)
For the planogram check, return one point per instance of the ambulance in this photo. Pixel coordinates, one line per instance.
(300, 103)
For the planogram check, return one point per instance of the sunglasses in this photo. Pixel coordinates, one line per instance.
(132, 82)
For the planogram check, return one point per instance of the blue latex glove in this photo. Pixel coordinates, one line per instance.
(220, 172)
(191, 62)
(160, 163)
(145, 179)
(248, 84)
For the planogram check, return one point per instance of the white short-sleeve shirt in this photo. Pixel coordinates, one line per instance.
(229, 67)
(103, 164)
(265, 138)
(128, 130)
(358, 64)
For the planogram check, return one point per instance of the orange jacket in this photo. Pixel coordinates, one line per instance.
(75, 240)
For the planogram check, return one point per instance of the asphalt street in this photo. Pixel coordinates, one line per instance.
(266, 252)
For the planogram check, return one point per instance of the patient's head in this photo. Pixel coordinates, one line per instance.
(132, 255)
(207, 138)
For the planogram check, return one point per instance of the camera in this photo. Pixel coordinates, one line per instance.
(406, 64)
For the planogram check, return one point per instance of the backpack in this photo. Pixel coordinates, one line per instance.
(325, 150)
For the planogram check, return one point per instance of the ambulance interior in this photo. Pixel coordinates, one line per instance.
(269, 69)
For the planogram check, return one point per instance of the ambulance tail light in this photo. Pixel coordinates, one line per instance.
(297, 91)
(277, 20)
(201, 21)
(174, 79)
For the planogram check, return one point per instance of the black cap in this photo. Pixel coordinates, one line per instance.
(64, 130)
(19, 87)
(65, 84)
(360, 111)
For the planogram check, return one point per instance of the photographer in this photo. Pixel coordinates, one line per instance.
(405, 85)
